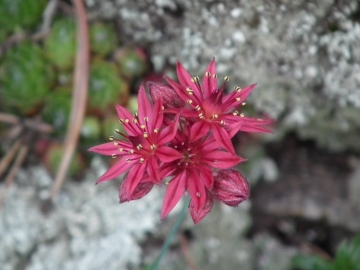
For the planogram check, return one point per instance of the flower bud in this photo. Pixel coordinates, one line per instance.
(168, 96)
(230, 187)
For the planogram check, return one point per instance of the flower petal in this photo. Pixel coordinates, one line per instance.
(167, 154)
(198, 130)
(221, 159)
(125, 115)
(144, 107)
(196, 189)
(168, 133)
(135, 175)
(209, 83)
(153, 169)
(234, 99)
(140, 191)
(198, 214)
(222, 138)
(174, 192)
(106, 149)
(187, 81)
(117, 169)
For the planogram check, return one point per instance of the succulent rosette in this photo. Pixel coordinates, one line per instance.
(181, 137)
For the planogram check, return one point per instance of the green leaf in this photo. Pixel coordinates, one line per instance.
(311, 262)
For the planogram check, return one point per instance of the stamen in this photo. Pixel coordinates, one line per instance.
(121, 149)
(244, 103)
(131, 151)
(113, 156)
(226, 79)
(237, 88)
(156, 130)
(189, 101)
(152, 147)
(136, 114)
(259, 119)
(128, 160)
(121, 120)
(238, 99)
(139, 146)
(235, 113)
(207, 74)
(222, 122)
(215, 116)
(242, 115)
(111, 138)
(188, 89)
(162, 108)
(198, 107)
(198, 194)
(127, 121)
(135, 120)
(146, 135)
(142, 126)
(146, 119)
(195, 79)
(142, 160)
(117, 131)
(214, 76)
(115, 143)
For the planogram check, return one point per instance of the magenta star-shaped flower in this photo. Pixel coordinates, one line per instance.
(214, 110)
(193, 171)
(143, 149)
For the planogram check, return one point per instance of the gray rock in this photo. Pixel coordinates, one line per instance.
(305, 56)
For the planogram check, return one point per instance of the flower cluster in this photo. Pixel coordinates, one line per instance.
(181, 135)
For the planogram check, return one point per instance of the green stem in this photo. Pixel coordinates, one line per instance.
(172, 234)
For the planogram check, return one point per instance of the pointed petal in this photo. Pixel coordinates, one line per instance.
(157, 116)
(235, 98)
(135, 175)
(222, 137)
(174, 192)
(221, 159)
(167, 154)
(199, 130)
(196, 189)
(207, 176)
(168, 133)
(153, 169)
(209, 83)
(253, 128)
(140, 191)
(107, 149)
(198, 215)
(144, 107)
(117, 169)
(186, 80)
(180, 90)
(124, 114)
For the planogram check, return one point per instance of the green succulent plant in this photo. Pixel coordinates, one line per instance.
(347, 258)
(20, 13)
(91, 128)
(60, 45)
(25, 77)
(103, 39)
(56, 110)
(131, 62)
(105, 86)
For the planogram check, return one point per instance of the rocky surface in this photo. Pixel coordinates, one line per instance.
(304, 55)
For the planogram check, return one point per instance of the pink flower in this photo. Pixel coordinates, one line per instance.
(193, 171)
(143, 149)
(214, 110)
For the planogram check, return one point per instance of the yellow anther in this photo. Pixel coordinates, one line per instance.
(207, 74)
(131, 151)
(146, 119)
(111, 138)
(235, 113)
(226, 78)
(121, 120)
(135, 120)
(139, 146)
(116, 131)
(113, 156)
(156, 130)
(121, 149)
(198, 107)
(238, 99)
(189, 101)
(259, 119)
(188, 89)
(128, 160)
(152, 147)
(145, 135)
(142, 126)
(136, 114)
(244, 103)
(222, 122)
(127, 120)
(214, 76)
(215, 116)
(142, 160)
(115, 143)
(242, 115)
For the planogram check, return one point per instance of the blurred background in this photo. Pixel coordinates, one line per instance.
(305, 178)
